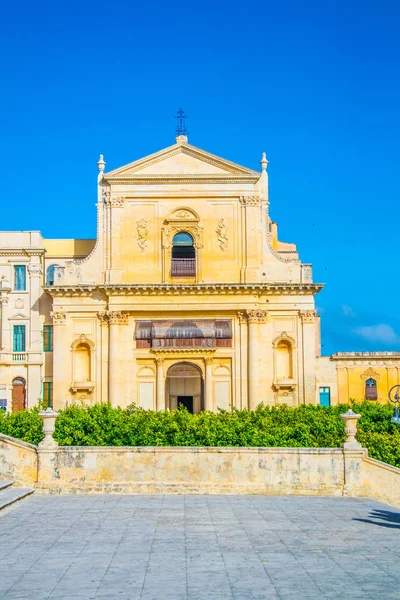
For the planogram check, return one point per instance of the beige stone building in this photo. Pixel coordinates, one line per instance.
(186, 296)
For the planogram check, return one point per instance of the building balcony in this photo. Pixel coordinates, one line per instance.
(183, 267)
(82, 386)
(285, 383)
(29, 357)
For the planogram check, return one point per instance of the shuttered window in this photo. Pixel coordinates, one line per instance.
(19, 338)
(48, 394)
(371, 390)
(20, 278)
(48, 338)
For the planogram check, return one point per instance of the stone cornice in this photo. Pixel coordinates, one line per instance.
(21, 251)
(365, 356)
(173, 179)
(200, 289)
(187, 352)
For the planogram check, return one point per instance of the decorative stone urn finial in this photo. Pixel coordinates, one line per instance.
(48, 417)
(350, 424)
(101, 164)
(264, 162)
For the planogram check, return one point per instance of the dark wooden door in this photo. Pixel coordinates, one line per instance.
(18, 396)
(187, 402)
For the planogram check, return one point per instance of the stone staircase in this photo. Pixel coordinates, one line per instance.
(9, 494)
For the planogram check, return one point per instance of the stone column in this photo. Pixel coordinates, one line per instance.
(160, 384)
(115, 387)
(35, 333)
(254, 318)
(242, 317)
(253, 237)
(61, 360)
(102, 369)
(208, 400)
(309, 357)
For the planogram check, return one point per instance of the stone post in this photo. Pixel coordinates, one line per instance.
(350, 423)
(160, 384)
(254, 318)
(116, 318)
(208, 403)
(48, 417)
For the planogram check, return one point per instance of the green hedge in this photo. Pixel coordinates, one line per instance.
(305, 426)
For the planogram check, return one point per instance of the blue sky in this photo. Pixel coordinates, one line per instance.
(314, 84)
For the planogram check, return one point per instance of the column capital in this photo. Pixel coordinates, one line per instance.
(250, 200)
(242, 317)
(116, 317)
(35, 269)
(103, 318)
(307, 316)
(208, 361)
(160, 361)
(257, 316)
(59, 318)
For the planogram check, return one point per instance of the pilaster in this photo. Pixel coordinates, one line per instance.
(115, 356)
(61, 358)
(255, 319)
(309, 356)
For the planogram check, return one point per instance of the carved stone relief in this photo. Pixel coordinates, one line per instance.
(222, 236)
(142, 232)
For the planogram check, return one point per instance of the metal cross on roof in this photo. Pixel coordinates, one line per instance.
(181, 123)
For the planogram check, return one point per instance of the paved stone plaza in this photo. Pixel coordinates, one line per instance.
(199, 548)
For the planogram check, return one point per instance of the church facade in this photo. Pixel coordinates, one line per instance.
(187, 296)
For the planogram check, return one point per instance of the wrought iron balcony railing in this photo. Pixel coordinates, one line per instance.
(183, 267)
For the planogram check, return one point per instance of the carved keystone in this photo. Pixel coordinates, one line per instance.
(48, 417)
(350, 426)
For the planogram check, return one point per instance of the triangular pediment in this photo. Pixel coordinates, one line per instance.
(181, 160)
(19, 317)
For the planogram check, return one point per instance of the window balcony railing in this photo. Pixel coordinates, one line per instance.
(184, 343)
(19, 356)
(183, 267)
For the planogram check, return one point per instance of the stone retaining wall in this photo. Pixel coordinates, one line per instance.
(194, 470)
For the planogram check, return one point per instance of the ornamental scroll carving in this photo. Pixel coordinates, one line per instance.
(250, 200)
(35, 269)
(222, 236)
(307, 316)
(103, 317)
(59, 318)
(194, 230)
(116, 317)
(142, 227)
(370, 374)
(257, 316)
(112, 200)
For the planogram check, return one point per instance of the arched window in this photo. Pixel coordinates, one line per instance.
(284, 363)
(183, 262)
(82, 363)
(50, 274)
(371, 390)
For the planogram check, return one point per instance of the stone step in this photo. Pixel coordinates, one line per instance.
(11, 495)
(5, 483)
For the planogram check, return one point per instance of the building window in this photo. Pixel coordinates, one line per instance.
(325, 396)
(19, 338)
(3, 404)
(20, 278)
(48, 394)
(50, 274)
(371, 390)
(183, 262)
(48, 338)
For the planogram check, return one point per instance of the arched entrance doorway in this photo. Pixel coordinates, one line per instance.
(18, 394)
(184, 385)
